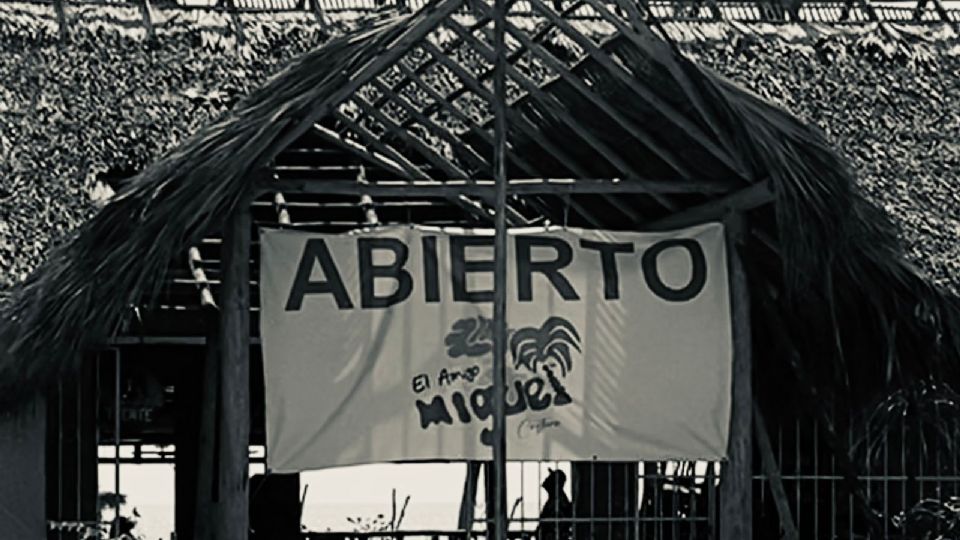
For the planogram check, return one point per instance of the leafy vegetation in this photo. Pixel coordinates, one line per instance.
(108, 103)
(889, 100)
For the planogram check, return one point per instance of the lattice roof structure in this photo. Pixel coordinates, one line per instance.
(609, 126)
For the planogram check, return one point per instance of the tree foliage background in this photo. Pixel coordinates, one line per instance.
(78, 116)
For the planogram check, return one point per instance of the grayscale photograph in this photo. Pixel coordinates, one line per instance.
(479, 269)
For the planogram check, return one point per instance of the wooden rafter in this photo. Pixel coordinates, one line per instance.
(424, 149)
(671, 158)
(740, 201)
(424, 66)
(655, 101)
(515, 118)
(547, 100)
(463, 117)
(512, 57)
(360, 151)
(431, 126)
(390, 54)
(411, 171)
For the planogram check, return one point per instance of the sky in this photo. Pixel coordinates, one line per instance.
(435, 490)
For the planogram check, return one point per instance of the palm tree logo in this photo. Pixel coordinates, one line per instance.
(547, 348)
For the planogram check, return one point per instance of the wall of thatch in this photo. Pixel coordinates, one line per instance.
(107, 103)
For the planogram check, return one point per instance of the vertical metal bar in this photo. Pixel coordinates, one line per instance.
(116, 439)
(609, 515)
(711, 481)
(796, 457)
(816, 481)
(96, 431)
(635, 511)
(674, 501)
(523, 494)
(692, 529)
(833, 495)
(500, 272)
(850, 494)
(886, 485)
(593, 497)
(903, 468)
(78, 433)
(60, 512)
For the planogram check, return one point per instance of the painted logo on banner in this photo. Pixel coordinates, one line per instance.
(542, 357)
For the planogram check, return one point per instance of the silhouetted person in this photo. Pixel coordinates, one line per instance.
(557, 507)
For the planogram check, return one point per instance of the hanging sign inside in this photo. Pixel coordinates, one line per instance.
(377, 345)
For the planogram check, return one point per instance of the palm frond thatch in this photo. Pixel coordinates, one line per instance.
(80, 294)
(858, 314)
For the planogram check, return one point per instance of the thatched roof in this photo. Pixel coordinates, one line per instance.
(830, 278)
(895, 120)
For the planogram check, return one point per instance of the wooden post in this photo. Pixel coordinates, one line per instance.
(235, 377)
(736, 494)
(208, 436)
(222, 501)
(60, 7)
(469, 498)
(147, 19)
(317, 8)
(237, 23)
(500, 272)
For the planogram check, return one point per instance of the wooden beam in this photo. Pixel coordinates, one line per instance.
(410, 170)
(429, 124)
(630, 80)
(677, 162)
(558, 186)
(448, 48)
(60, 8)
(441, 101)
(423, 148)
(736, 480)
(200, 278)
(24, 434)
(542, 33)
(739, 201)
(550, 101)
(515, 117)
(500, 69)
(360, 151)
(231, 518)
(391, 53)
(147, 19)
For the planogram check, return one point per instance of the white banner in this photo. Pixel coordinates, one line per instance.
(377, 345)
